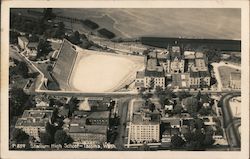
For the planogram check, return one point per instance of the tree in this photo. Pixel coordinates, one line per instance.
(151, 107)
(213, 55)
(49, 68)
(204, 111)
(177, 141)
(195, 140)
(188, 137)
(41, 26)
(126, 86)
(198, 96)
(33, 38)
(43, 48)
(46, 138)
(164, 95)
(198, 123)
(141, 91)
(50, 129)
(19, 136)
(61, 137)
(183, 94)
(144, 147)
(13, 37)
(17, 100)
(72, 105)
(191, 104)
(60, 31)
(48, 14)
(208, 140)
(22, 69)
(198, 136)
(158, 90)
(177, 109)
(75, 38)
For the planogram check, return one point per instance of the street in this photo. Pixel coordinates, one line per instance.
(229, 123)
(122, 105)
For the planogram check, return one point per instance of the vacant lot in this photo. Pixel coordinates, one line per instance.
(225, 72)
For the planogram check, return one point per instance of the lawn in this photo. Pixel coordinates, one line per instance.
(225, 72)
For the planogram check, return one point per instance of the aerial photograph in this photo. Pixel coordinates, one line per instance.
(125, 79)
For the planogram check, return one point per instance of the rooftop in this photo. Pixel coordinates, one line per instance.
(146, 118)
(199, 55)
(172, 121)
(32, 45)
(153, 69)
(152, 65)
(200, 63)
(180, 80)
(175, 49)
(96, 114)
(163, 56)
(78, 125)
(195, 72)
(37, 114)
(35, 118)
(140, 74)
(23, 38)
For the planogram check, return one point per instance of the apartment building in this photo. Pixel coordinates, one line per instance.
(33, 122)
(145, 127)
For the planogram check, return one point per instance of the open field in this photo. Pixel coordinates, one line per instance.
(225, 72)
(103, 72)
(134, 22)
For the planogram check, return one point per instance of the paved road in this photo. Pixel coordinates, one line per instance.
(122, 106)
(229, 122)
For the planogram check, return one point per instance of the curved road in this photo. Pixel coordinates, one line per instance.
(230, 124)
